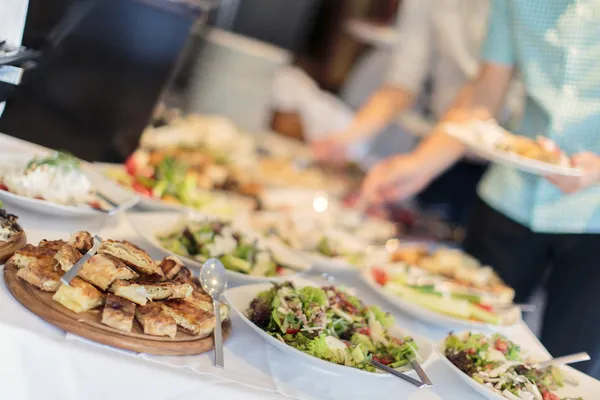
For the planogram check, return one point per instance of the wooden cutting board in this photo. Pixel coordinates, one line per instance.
(88, 324)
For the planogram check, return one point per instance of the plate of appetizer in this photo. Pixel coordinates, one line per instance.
(168, 184)
(499, 369)
(120, 296)
(326, 245)
(327, 327)
(247, 256)
(444, 287)
(59, 184)
(12, 236)
(489, 140)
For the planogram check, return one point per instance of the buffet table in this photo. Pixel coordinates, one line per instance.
(39, 361)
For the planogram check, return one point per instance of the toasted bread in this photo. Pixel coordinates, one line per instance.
(79, 296)
(166, 290)
(67, 256)
(102, 270)
(41, 274)
(30, 253)
(192, 319)
(54, 245)
(171, 266)
(82, 241)
(130, 291)
(185, 275)
(118, 313)
(132, 256)
(155, 321)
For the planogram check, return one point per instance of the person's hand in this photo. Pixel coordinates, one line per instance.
(589, 163)
(395, 178)
(331, 150)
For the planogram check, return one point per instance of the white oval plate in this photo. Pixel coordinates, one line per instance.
(470, 138)
(440, 348)
(430, 316)
(109, 188)
(149, 225)
(239, 299)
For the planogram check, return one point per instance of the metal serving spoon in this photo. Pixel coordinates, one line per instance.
(213, 279)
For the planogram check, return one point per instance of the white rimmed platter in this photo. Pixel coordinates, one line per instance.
(149, 225)
(124, 198)
(239, 299)
(432, 317)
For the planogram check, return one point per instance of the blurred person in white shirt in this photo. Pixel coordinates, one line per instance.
(438, 43)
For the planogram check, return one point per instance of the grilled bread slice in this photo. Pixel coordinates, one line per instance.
(132, 256)
(67, 256)
(102, 270)
(203, 301)
(118, 313)
(41, 274)
(194, 320)
(166, 290)
(171, 266)
(155, 321)
(79, 297)
(30, 253)
(82, 241)
(130, 291)
(54, 245)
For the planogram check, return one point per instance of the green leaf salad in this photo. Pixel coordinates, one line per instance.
(500, 365)
(330, 324)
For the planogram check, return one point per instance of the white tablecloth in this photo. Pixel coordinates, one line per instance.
(38, 360)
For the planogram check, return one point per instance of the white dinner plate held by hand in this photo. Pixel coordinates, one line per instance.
(482, 137)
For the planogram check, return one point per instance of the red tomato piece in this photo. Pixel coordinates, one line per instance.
(501, 346)
(486, 307)
(365, 331)
(279, 270)
(130, 166)
(292, 331)
(138, 187)
(95, 204)
(380, 276)
(549, 396)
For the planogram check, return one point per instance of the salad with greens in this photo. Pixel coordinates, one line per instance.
(330, 324)
(500, 365)
(442, 295)
(238, 251)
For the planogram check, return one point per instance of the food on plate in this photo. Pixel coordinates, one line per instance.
(155, 321)
(238, 251)
(192, 319)
(124, 279)
(57, 178)
(309, 233)
(443, 295)
(12, 236)
(41, 274)
(102, 270)
(79, 296)
(174, 182)
(131, 255)
(118, 313)
(542, 149)
(459, 268)
(501, 366)
(282, 172)
(330, 324)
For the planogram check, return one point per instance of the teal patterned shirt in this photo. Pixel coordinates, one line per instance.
(556, 45)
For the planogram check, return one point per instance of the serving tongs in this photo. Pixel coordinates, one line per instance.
(422, 382)
(72, 273)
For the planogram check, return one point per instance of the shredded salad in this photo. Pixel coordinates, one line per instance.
(330, 324)
(500, 365)
(238, 251)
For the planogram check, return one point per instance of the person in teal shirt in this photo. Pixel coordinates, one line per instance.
(533, 230)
